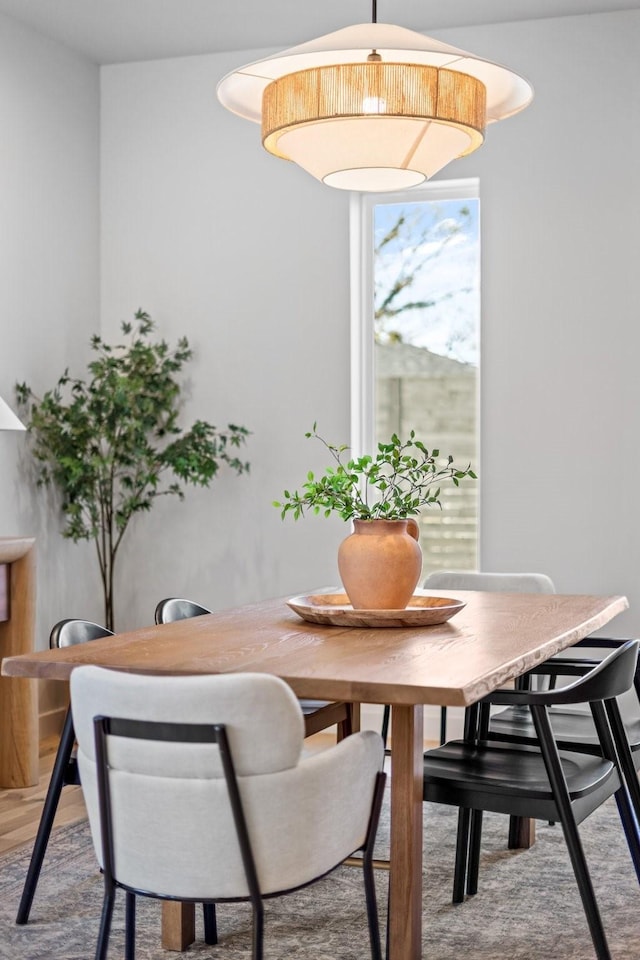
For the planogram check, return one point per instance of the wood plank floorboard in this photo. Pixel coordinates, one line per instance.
(20, 809)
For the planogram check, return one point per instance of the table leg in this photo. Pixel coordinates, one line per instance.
(178, 924)
(522, 833)
(405, 880)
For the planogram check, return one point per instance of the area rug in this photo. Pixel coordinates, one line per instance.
(527, 907)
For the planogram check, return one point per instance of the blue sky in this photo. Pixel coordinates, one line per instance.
(440, 245)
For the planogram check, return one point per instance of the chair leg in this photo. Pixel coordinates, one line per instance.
(210, 924)
(472, 720)
(52, 799)
(628, 799)
(386, 713)
(475, 843)
(630, 827)
(351, 724)
(372, 910)
(443, 725)
(585, 887)
(384, 730)
(624, 754)
(105, 924)
(462, 853)
(367, 871)
(570, 830)
(130, 927)
(386, 941)
(258, 931)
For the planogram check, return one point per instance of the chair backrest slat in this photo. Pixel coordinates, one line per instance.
(489, 582)
(608, 679)
(70, 632)
(177, 608)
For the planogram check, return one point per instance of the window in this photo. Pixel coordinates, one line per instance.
(415, 342)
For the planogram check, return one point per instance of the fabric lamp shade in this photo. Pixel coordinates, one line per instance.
(373, 106)
(8, 419)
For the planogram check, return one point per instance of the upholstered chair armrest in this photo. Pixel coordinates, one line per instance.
(316, 814)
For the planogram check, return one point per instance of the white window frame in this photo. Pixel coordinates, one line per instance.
(361, 267)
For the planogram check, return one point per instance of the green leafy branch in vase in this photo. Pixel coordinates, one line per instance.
(396, 483)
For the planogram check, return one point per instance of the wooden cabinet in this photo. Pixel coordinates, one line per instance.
(18, 697)
(4, 591)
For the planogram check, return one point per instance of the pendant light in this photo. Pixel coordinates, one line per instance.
(373, 106)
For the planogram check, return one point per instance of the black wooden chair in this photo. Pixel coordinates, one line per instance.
(477, 774)
(318, 714)
(573, 727)
(66, 633)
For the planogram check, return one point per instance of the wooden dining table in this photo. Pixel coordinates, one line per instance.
(494, 638)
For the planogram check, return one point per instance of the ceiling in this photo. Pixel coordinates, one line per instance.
(116, 31)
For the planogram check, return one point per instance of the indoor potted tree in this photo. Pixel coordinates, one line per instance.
(381, 561)
(107, 443)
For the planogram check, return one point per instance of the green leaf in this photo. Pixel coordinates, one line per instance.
(109, 442)
(394, 485)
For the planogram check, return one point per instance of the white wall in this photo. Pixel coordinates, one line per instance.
(49, 118)
(560, 388)
(248, 256)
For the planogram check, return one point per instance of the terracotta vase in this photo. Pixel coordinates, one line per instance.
(380, 563)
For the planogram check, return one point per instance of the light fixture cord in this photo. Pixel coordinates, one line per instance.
(374, 56)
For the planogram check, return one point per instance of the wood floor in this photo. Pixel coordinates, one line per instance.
(20, 809)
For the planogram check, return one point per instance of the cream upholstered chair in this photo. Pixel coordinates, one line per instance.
(494, 582)
(318, 714)
(196, 789)
(69, 633)
(490, 582)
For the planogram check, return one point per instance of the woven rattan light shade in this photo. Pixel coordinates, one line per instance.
(395, 105)
(373, 106)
